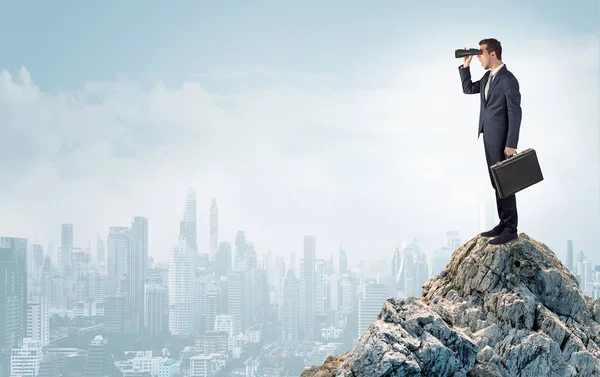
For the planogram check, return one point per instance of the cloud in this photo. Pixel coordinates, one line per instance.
(262, 73)
(361, 160)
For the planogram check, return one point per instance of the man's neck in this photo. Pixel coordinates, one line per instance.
(495, 65)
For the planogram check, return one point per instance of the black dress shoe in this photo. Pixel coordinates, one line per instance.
(507, 235)
(494, 232)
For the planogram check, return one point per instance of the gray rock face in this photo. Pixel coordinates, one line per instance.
(495, 311)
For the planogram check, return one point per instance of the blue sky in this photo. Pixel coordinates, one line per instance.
(345, 120)
(65, 43)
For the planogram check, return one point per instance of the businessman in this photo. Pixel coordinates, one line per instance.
(499, 122)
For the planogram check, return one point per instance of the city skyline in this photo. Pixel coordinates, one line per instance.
(214, 237)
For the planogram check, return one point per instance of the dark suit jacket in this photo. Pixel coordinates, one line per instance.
(500, 115)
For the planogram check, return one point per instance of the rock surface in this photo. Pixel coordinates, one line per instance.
(495, 311)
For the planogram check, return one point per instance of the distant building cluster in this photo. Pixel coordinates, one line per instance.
(588, 277)
(219, 310)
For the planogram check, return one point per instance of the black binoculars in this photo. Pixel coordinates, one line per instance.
(461, 53)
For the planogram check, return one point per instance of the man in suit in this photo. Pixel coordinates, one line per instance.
(499, 121)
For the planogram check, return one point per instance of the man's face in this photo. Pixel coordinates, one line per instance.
(484, 58)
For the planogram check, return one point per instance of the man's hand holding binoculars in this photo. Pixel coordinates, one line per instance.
(467, 55)
(467, 60)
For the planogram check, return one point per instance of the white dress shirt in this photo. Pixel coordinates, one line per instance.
(492, 75)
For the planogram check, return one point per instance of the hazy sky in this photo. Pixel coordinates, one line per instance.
(345, 121)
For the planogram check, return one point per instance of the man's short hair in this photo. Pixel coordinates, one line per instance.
(492, 45)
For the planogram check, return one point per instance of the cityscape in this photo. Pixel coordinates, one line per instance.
(224, 309)
(215, 189)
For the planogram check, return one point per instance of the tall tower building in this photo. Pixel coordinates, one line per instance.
(320, 296)
(251, 257)
(138, 269)
(241, 252)
(182, 271)
(236, 300)
(260, 296)
(212, 306)
(582, 270)
(290, 308)
(214, 229)
(13, 297)
(223, 260)
(310, 290)
(333, 292)
(279, 277)
(570, 266)
(35, 261)
(118, 254)
(415, 270)
(66, 248)
(187, 227)
(204, 283)
(38, 321)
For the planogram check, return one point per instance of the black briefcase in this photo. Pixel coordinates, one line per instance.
(516, 173)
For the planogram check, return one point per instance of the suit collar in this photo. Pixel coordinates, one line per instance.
(500, 70)
(501, 67)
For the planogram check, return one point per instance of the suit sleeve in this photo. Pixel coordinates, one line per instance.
(513, 103)
(468, 86)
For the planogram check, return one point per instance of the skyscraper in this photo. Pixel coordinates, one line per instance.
(320, 297)
(13, 297)
(310, 291)
(138, 269)
(118, 245)
(223, 260)
(214, 229)
(290, 308)
(236, 300)
(181, 289)
(66, 248)
(35, 261)
(241, 252)
(570, 266)
(279, 276)
(416, 271)
(187, 228)
(38, 321)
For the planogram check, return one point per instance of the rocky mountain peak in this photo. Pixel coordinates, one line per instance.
(495, 310)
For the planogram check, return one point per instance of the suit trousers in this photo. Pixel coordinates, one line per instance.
(507, 207)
